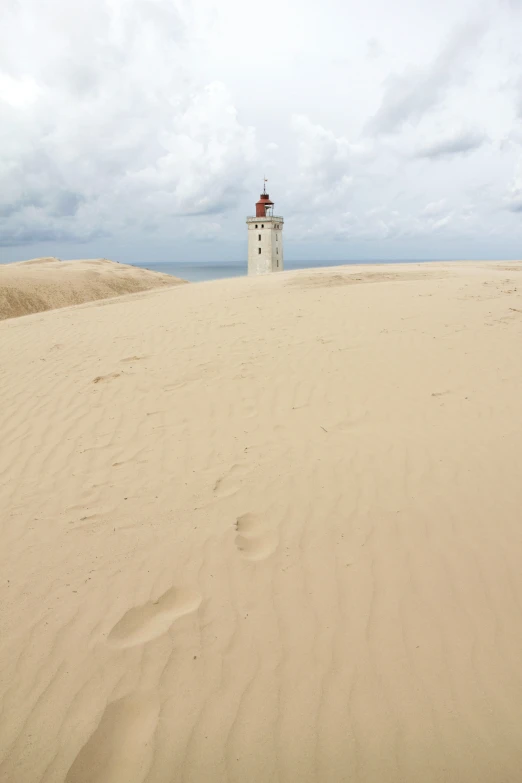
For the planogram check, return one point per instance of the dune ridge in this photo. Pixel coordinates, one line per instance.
(266, 530)
(47, 283)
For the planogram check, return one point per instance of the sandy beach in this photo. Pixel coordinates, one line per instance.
(266, 530)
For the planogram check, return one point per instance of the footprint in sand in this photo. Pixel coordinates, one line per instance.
(148, 621)
(133, 358)
(121, 746)
(253, 540)
(230, 483)
(108, 377)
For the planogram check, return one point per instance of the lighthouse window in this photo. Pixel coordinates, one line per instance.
(277, 250)
(259, 237)
(256, 225)
(276, 237)
(262, 225)
(258, 251)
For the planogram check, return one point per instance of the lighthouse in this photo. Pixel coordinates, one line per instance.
(265, 238)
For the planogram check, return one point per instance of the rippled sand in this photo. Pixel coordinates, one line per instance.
(266, 530)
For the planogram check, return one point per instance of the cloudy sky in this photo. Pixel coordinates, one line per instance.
(140, 130)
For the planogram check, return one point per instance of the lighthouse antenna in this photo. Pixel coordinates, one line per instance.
(264, 185)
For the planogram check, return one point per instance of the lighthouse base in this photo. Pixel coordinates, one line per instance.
(265, 245)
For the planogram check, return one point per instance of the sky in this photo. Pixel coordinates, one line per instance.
(141, 130)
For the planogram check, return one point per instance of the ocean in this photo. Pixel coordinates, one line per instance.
(198, 271)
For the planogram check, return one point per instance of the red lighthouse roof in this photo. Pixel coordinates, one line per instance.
(263, 204)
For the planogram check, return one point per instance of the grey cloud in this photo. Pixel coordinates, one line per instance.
(459, 144)
(13, 236)
(80, 78)
(408, 96)
(66, 203)
(12, 207)
(58, 203)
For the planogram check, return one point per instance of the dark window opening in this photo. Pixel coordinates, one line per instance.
(259, 251)
(259, 237)
(262, 225)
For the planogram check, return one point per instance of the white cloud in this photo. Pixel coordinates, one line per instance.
(114, 132)
(513, 198)
(323, 165)
(434, 209)
(418, 88)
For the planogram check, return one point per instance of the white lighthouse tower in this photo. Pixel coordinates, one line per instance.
(265, 238)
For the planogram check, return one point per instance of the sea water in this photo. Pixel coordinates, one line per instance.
(197, 271)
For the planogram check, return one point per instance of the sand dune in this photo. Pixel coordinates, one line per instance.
(48, 283)
(266, 530)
